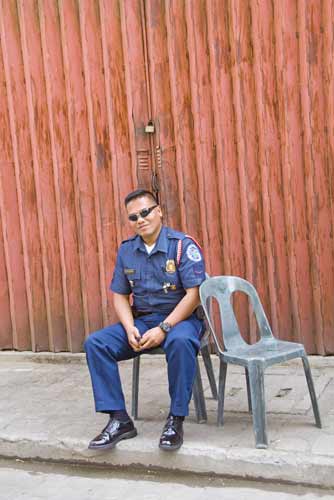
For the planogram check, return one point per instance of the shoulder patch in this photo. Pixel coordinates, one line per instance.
(193, 253)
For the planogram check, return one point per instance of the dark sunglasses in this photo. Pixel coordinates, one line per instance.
(143, 213)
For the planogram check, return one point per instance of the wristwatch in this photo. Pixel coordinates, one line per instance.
(165, 327)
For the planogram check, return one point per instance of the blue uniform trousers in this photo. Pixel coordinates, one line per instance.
(106, 347)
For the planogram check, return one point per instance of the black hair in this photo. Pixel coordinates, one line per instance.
(139, 193)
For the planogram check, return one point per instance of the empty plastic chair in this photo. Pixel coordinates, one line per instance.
(254, 358)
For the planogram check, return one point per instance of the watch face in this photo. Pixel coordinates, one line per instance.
(165, 327)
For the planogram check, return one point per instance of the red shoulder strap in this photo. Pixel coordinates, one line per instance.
(178, 252)
(179, 249)
(199, 246)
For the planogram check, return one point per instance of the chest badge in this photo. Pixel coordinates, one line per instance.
(170, 266)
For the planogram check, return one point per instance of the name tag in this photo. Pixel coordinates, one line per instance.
(129, 271)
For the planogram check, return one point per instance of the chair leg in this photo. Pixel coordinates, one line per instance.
(135, 387)
(198, 395)
(311, 389)
(221, 392)
(209, 370)
(248, 391)
(256, 382)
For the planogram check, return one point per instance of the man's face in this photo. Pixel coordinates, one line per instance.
(147, 227)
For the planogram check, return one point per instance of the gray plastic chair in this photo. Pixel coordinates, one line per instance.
(198, 394)
(255, 358)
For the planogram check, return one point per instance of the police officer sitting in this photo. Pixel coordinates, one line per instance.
(159, 271)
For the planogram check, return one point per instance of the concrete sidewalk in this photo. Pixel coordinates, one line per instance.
(46, 412)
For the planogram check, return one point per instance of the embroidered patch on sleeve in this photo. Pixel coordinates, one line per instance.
(198, 268)
(193, 253)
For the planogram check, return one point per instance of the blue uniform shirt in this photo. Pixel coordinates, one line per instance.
(156, 280)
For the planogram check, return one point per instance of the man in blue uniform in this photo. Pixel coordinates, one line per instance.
(155, 285)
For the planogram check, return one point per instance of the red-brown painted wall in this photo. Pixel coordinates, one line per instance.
(241, 96)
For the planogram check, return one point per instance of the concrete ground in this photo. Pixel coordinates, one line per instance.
(47, 413)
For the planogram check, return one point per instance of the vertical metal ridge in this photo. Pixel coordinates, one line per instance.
(240, 146)
(11, 111)
(201, 101)
(328, 50)
(194, 95)
(87, 79)
(172, 83)
(55, 175)
(4, 230)
(123, 8)
(147, 73)
(8, 270)
(136, 81)
(241, 154)
(328, 82)
(263, 161)
(323, 178)
(182, 116)
(286, 319)
(75, 170)
(286, 170)
(117, 113)
(66, 190)
(309, 173)
(218, 251)
(227, 264)
(328, 15)
(252, 171)
(161, 108)
(31, 120)
(110, 114)
(225, 139)
(216, 79)
(322, 192)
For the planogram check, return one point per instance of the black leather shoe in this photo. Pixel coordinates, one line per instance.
(112, 434)
(172, 434)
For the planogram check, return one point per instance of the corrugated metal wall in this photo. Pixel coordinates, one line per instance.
(241, 96)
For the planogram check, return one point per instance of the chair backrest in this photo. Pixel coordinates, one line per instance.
(221, 288)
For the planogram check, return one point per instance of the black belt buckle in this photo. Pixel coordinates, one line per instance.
(138, 314)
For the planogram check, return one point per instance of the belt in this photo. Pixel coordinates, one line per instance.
(138, 314)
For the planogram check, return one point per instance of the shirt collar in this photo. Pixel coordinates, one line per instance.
(161, 244)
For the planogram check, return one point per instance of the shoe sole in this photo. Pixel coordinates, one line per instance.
(170, 448)
(127, 435)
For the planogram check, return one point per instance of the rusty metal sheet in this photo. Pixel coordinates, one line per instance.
(14, 316)
(62, 173)
(11, 42)
(240, 95)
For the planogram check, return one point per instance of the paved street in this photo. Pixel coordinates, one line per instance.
(47, 413)
(38, 481)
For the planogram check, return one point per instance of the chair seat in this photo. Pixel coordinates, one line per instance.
(154, 350)
(267, 351)
(198, 393)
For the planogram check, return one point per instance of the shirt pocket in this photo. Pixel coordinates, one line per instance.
(133, 277)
